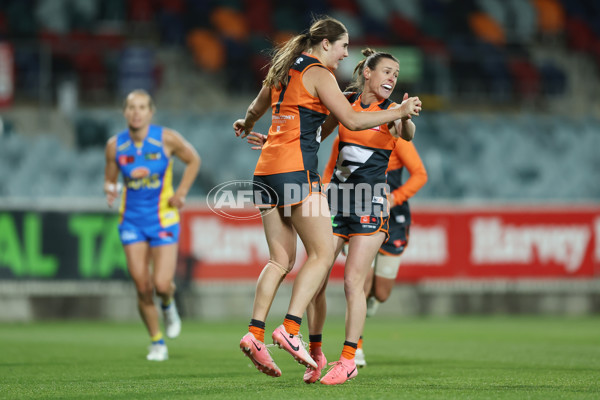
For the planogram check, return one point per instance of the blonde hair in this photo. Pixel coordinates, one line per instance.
(285, 55)
(143, 93)
(372, 59)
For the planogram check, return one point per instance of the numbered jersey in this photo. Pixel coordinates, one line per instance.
(147, 174)
(294, 136)
(364, 155)
(359, 175)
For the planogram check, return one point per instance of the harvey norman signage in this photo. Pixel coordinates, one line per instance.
(449, 242)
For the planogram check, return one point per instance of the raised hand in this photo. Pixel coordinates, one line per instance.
(410, 106)
(404, 98)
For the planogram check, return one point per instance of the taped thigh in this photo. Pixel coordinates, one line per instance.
(386, 266)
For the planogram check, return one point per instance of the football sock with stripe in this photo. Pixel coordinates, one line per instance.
(349, 350)
(166, 304)
(257, 328)
(158, 338)
(292, 324)
(315, 342)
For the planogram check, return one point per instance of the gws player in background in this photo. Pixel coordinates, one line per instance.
(149, 216)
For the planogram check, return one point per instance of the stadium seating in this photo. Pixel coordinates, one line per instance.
(234, 31)
(228, 33)
(468, 156)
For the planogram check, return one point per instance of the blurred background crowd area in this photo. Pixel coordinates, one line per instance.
(509, 87)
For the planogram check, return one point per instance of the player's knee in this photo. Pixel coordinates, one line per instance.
(163, 288)
(283, 270)
(145, 294)
(382, 295)
(322, 252)
(353, 285)
(327, 256)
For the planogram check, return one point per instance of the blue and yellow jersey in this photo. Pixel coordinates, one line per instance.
(148, 180)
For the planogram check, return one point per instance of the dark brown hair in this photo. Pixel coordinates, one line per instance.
(281, 62)
(372, 59)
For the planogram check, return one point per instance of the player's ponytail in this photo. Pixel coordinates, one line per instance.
(281, 62)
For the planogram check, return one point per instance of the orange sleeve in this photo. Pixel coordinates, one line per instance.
(328, 171)
(407, 153)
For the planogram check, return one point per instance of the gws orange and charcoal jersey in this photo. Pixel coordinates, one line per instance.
(295, 133)
(358, 191)
(363, 156)
(404, 156)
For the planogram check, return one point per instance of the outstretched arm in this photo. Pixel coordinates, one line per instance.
(323, 84)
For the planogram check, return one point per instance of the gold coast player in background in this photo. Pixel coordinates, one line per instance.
(149, 216)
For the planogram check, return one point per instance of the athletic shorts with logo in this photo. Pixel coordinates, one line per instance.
(352, 219)
(154, 234)
(285, 189)
(399, 231)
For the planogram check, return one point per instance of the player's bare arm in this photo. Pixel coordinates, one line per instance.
(403, 128)
(323, 83)
(176, 145)
(111, 171)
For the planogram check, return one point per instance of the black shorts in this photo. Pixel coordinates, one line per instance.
(287, 189)
(352, 225)
(399, 231)
(356, 211)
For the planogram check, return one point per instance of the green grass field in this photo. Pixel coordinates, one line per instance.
(420, 358)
